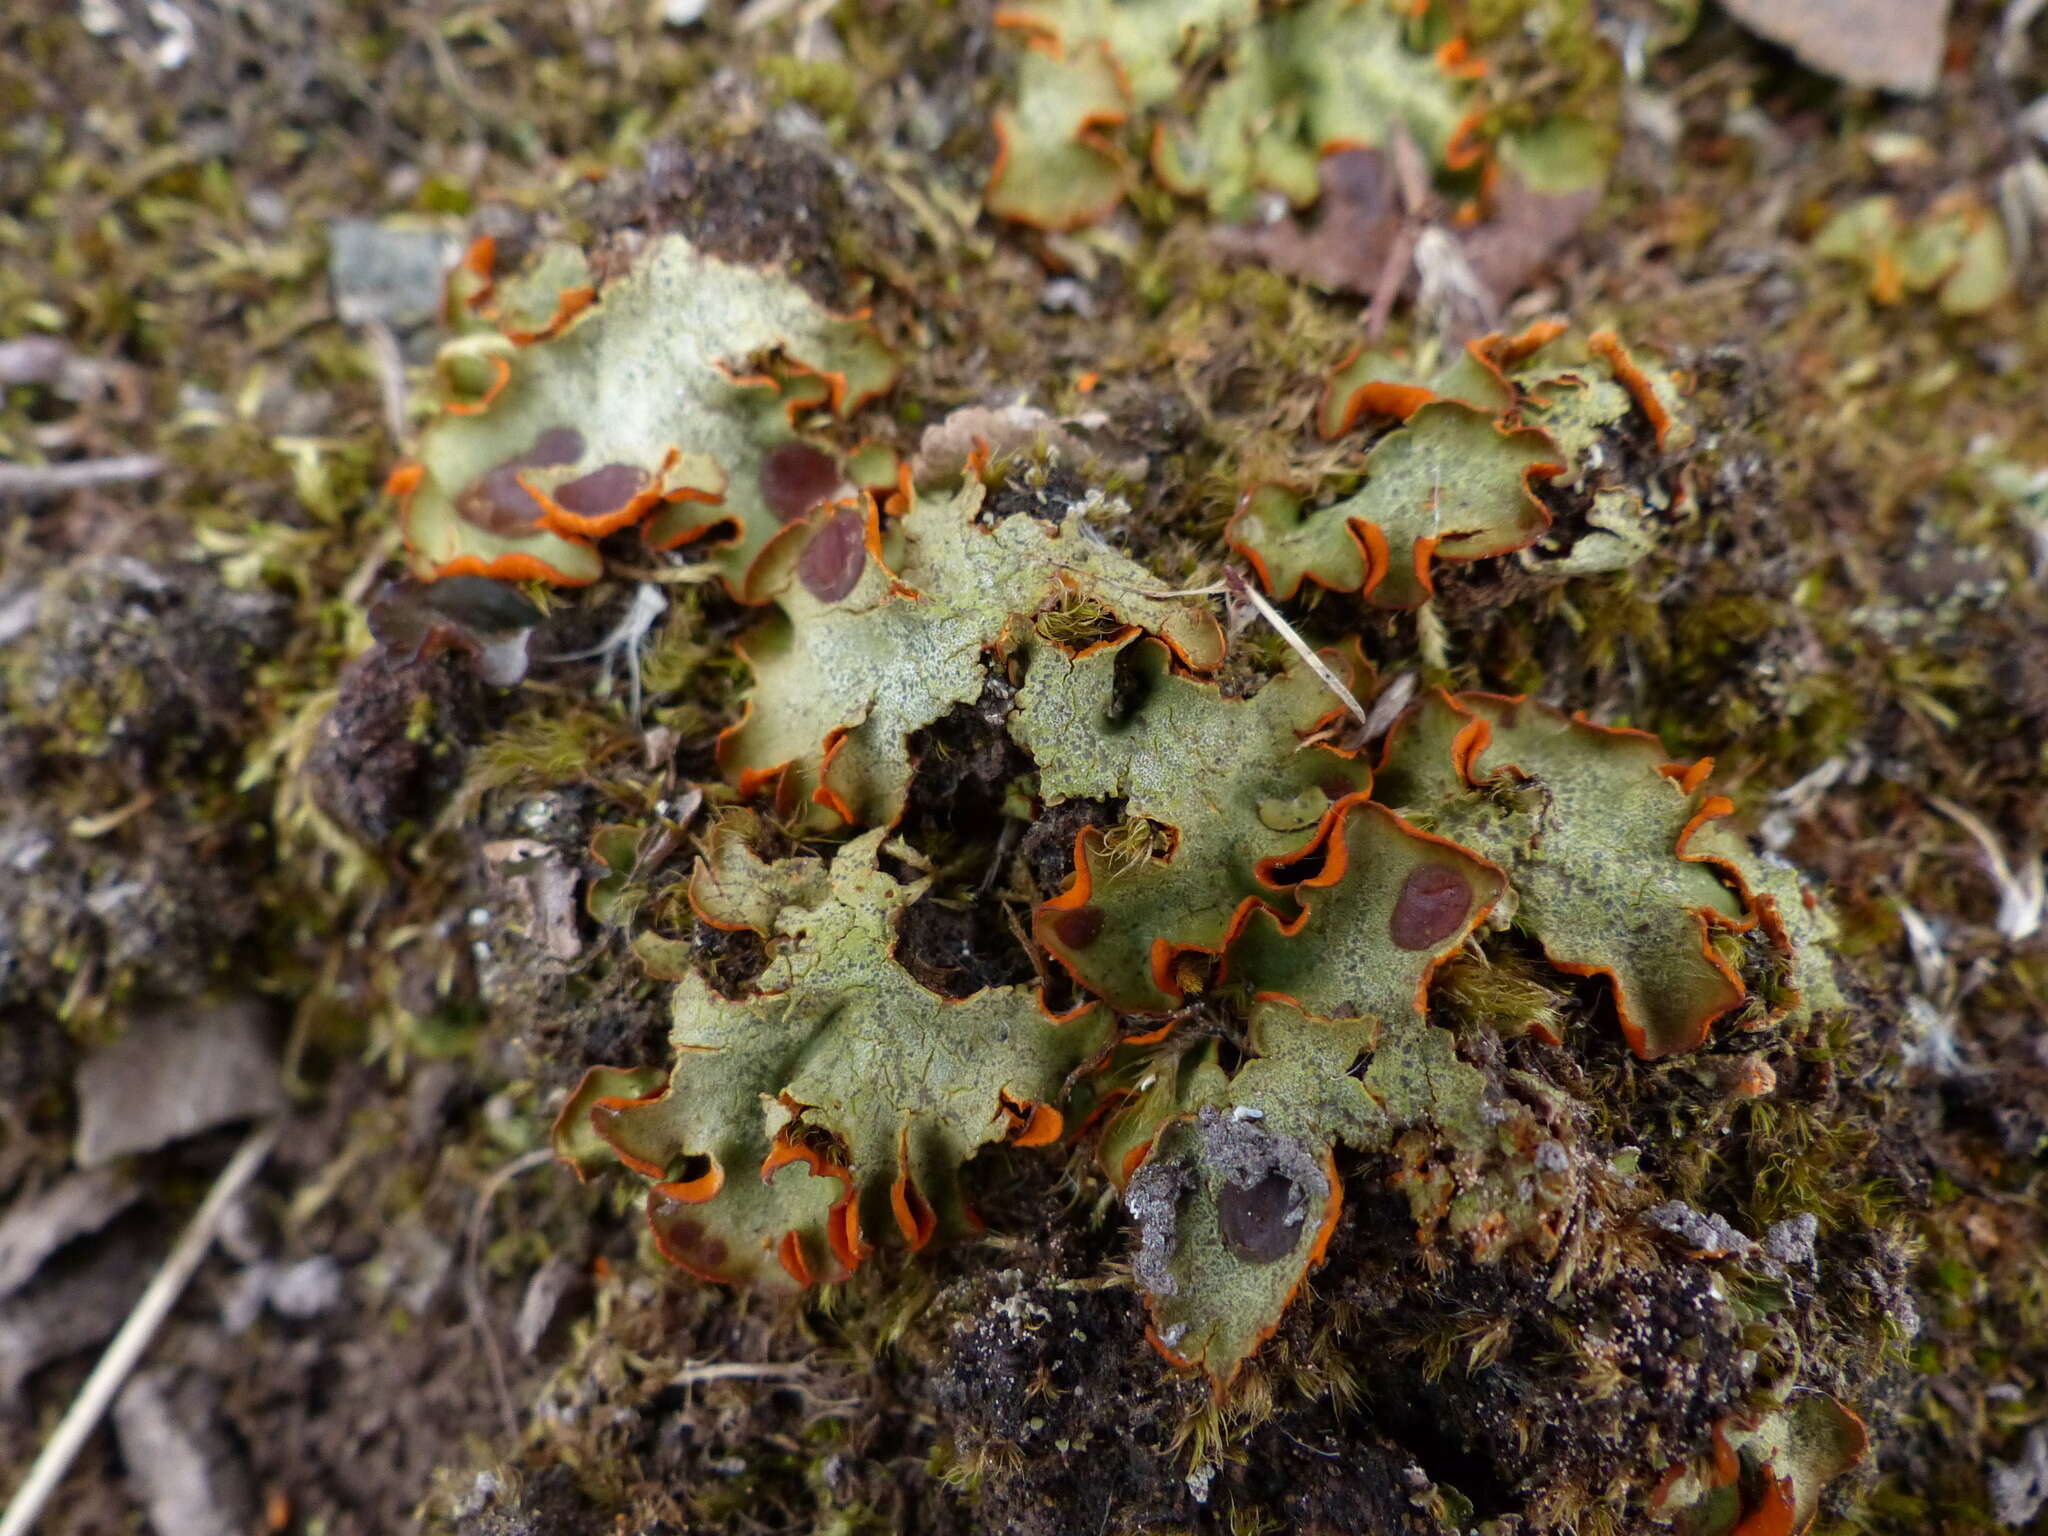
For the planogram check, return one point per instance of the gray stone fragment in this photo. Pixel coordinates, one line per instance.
(1791, 1241)
(64, 1314)
(309, 1288)
(2019, 1488)
(183, 1466)
(175, 1072)
(1707, 1235)
(36, 1228)
(388, 274)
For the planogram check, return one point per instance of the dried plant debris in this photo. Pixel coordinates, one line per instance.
(487, 621)
(1367, 235)
(1486, 443)
(176, 1071)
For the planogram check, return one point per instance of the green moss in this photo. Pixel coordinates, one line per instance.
(828, 87)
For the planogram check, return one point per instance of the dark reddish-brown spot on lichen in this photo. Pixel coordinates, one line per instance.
(683, 1235)
(601, 492)
(796, 478)
(1431, 907)
(557, 445)
(1336, 786)
(1079, 927)
(1260, 1223)
(497, 503)
(831, 563)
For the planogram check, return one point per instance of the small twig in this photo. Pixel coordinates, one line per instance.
(390, 364)
(1215, 588)
(1030, 947)
(1239, 587)
(360, 580)
(1006, 842)
(738, 1370)
(2022, 893)
(1392, 278)
(78, 475)
(473, 1284)
(134, 1338)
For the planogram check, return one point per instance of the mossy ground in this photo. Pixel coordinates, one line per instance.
(1857, 605)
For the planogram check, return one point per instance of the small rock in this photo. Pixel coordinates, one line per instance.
(386, 274)
(299, 1291)
(2019, 1488)
(544, 884)
(1705, 1235)
(35, 1229)
(183, 1465)
(1791, 1241)
(175, 1072)
(306, 1289)
(66, 1313)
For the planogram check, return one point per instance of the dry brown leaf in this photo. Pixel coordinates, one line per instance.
(1894, 44)
(1361, 241)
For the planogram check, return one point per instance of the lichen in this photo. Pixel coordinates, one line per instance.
(1509, 425)
(1253, 872)
(1241, 103)
(567, 437)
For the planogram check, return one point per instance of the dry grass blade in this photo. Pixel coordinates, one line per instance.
(128, 1346)
(79, 475)
(1241, 588)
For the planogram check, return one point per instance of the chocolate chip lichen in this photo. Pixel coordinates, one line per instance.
(1255, 956)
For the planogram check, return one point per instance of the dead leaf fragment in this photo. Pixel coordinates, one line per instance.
(1896, 45)
(949, 445)
(1361, 240)
(36, 1228)
(544, 884)
(175, 1072)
